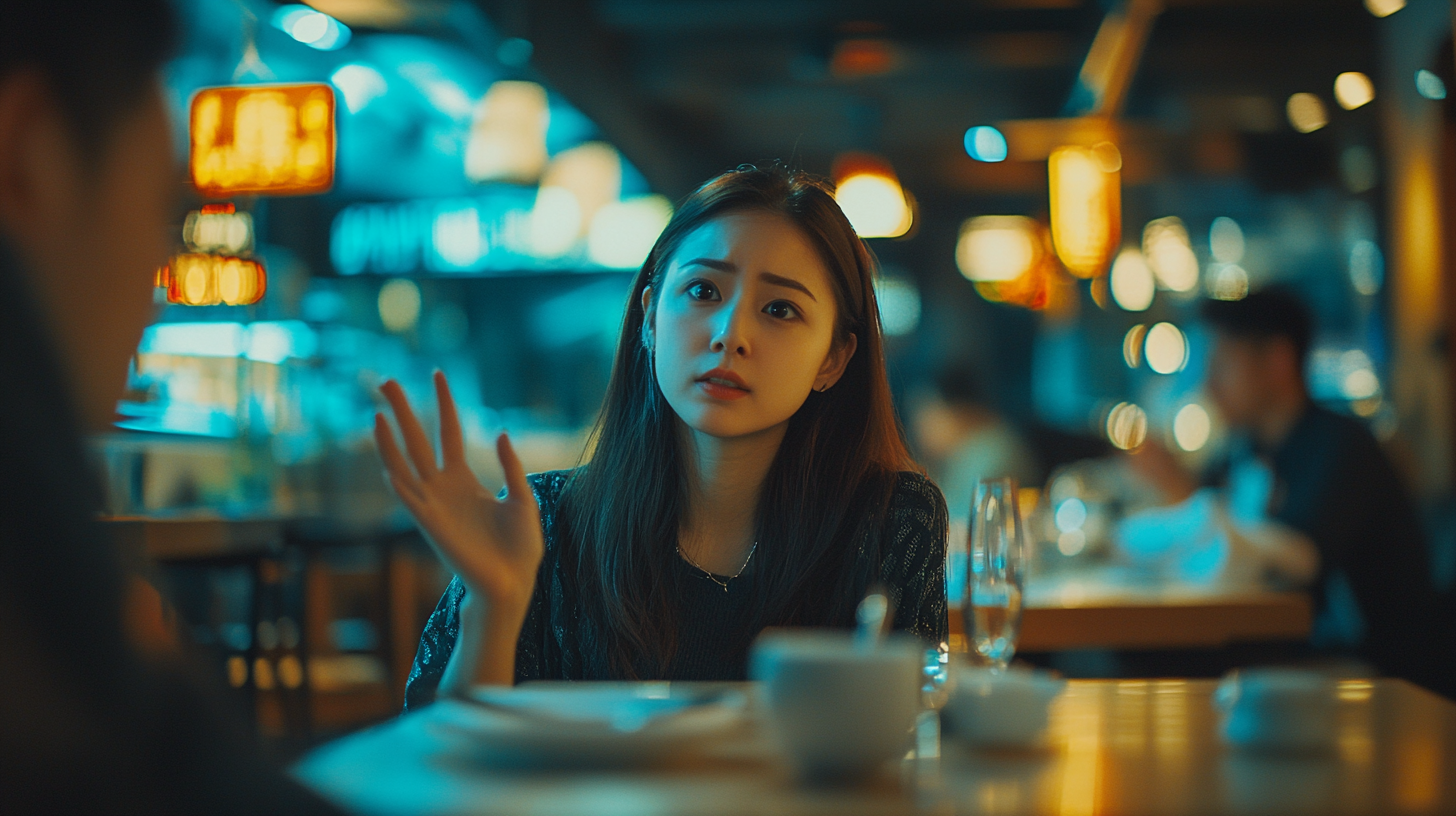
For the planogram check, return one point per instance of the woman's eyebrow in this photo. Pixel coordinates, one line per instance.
(788, 283)
(766, 277)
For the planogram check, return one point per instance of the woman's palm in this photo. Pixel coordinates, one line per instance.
(494, 545)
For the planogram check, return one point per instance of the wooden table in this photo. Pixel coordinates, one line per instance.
(193, 538)
(1098, 611)
(1131, 746)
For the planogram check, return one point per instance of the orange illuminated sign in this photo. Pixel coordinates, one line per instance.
(270, 139)
(195, 279)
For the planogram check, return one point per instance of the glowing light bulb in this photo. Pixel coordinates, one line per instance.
(1086, 206)
(1384, 8)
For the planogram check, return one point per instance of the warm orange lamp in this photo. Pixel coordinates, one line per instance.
(269, 139)
(1086, 206)
(197, 279)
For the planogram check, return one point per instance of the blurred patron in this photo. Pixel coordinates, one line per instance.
(964, 440)
(1304, 496)
(96, 713)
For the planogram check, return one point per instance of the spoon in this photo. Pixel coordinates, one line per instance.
(873, 616)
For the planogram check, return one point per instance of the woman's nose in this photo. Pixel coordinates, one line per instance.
(730, 335)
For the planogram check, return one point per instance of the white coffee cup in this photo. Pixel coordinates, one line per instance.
(839, 709)
(1001, 708)
(1277, 709)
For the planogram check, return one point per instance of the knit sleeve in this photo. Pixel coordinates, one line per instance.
(913, 565)
(442, 630)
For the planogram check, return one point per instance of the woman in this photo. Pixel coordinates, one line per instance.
(748, 470)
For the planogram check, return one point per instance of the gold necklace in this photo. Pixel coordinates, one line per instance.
(710, 576)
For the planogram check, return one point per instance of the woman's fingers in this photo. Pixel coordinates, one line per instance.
(394, 462)
(516, 486)
(416, 441)
(452, 439)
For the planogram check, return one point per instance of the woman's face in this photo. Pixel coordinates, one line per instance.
(743, 328)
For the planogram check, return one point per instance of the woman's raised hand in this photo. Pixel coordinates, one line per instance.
(494, 546)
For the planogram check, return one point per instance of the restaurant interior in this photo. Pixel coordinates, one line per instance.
(1060, 196)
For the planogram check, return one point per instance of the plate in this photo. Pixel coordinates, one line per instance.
(594, 724)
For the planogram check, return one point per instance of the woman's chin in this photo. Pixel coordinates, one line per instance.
(725, 422)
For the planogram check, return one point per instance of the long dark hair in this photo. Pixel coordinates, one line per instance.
(618, 517)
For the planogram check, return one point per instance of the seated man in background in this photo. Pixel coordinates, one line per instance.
(89, 722)
(1308, 494)
(964, 440)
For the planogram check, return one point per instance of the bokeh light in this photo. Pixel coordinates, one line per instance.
(1306, 112)
(1226, 240)
(1353, 90)
(1170, 254)
(1132, 345)
(197, 279)
(985, 143)
(1227, 281)
(997, 247)
(900, 306)
(623, 232)
(875, 205)
(555, 222)
(399, 305)
(1367, 267)
(1166, 349)
(508, 137)
(1071, 542)
(1360, 384)
(1132, 282)
(1127, 426)
(1429, 85)
(1086, 206)
(1191, 427)
(1071, 514)
(274, 139)
(223, 231)
(1384, 8)
(311, 27)
(360, 84)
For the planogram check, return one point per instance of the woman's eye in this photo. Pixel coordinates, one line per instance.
(702, 290)
(781, 310)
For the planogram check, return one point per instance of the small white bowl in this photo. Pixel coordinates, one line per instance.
(1001, 708)
(1277, 709)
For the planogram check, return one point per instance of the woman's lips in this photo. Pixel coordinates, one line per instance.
(720, 389)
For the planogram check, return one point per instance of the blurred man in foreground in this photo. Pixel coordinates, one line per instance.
(89, 722)
(1319, 501)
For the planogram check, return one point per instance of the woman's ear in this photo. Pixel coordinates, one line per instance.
(647, 317)
(835, 362)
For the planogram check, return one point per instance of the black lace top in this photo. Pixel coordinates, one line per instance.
(555, 645)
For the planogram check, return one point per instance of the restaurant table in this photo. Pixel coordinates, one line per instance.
(1106, 609)
(1115, 747)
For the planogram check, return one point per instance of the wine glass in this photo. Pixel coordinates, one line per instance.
(995, 574)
